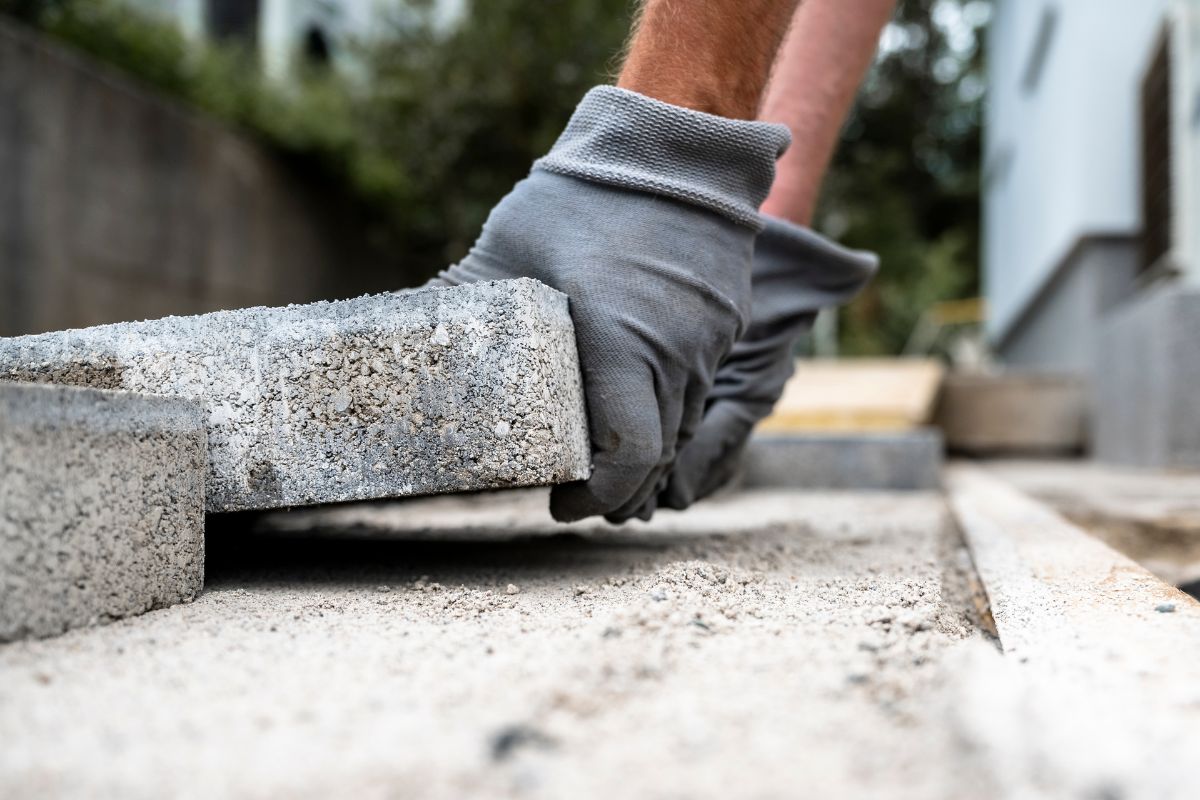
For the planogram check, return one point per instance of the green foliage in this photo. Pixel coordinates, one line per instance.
(465, 113)
(905, 181)
(434, 126)
(314, 125)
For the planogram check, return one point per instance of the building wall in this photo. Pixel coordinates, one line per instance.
(284, 24)
(1058, 331)
(116, 205)
(1061, 140)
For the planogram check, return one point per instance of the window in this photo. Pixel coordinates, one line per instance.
(233, 19)
(1156, 156)
(316, 47)
(1041, 50)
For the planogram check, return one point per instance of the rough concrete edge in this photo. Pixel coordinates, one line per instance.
(319, 309)
(104, 343)
(79, 404)
(37, 404)
(1056, 591)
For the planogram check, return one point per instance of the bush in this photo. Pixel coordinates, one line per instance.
(441, 124)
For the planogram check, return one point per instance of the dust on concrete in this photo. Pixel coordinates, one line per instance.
(767, 645)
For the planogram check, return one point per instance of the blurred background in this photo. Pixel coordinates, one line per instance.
(1023, 167)
(176, 156)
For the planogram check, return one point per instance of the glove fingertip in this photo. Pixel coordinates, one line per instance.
(571, 502)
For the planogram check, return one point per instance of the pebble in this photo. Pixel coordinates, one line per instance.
(1165, 608)
(512, 589)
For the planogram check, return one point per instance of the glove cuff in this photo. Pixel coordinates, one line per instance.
(625, 139)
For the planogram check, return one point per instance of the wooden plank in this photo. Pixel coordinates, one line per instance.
(856, 395)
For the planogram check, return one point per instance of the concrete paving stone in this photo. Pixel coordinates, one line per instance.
(868, 460)
(422, 392)
(101, 506)
(1152, 516)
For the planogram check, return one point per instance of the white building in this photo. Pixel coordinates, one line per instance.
(287, 33)
(1091, 213)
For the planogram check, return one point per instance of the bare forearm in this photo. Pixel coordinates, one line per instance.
(709, 55)
(822, 61)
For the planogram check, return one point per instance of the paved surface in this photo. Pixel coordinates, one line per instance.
(795, 649)
(769, 644)
(101, 506)
(429, 391)
(1152, 516)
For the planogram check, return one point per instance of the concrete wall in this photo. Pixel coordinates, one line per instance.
(1058, 331)
(1147, 381)
(1061, 139)
(116, 205)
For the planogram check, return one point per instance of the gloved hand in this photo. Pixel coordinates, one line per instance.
(795, 273)
(643, 214)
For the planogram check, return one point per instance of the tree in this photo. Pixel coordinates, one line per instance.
(905, 180)
(441, 123)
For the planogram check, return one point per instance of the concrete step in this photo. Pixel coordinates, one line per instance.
(101, 506)
(868, 460)
(429, 391)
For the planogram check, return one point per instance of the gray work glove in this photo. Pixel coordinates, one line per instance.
(643, 214)
(795, 274)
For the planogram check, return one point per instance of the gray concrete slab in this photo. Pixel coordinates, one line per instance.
(1146, 385)
(101, 506)
(764, 644)
(429, 391)
(870, 460)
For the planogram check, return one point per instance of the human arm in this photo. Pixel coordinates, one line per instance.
(644, 213)
(796, 272)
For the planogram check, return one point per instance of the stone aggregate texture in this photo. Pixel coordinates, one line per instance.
(762, 644)
(772, 645)
(421, 392)
(101, 506)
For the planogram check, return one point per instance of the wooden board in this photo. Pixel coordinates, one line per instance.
(848, 395)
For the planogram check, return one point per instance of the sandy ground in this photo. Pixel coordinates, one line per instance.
(766, 645)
